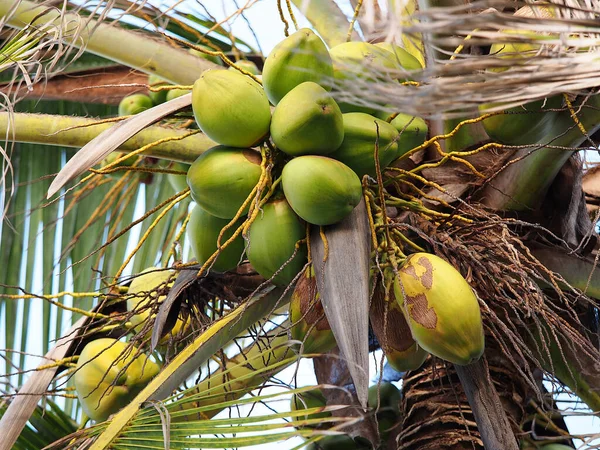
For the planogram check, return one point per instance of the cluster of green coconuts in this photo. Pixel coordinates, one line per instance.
(325, 149)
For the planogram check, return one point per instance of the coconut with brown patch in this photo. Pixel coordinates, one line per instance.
(441, 308)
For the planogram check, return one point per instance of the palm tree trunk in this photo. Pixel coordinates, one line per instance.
(435, 409)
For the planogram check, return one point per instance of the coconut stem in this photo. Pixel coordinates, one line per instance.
(131, 48)
(60, 131)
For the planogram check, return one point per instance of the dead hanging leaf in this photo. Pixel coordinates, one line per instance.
(343, 283)
(164, 317)
(106, 142)
(331, 369)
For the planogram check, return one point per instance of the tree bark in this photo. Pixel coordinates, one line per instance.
(435, 409)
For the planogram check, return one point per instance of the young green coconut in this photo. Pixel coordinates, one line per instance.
(231, 108)
(157, 97)
(525, 124)
(300, 57)
(222, 178)
(134, 104)
(320, 190)
(387, 397)
(361, 133)
(412, 132)
(203, 230)
(307, 121)
(175, 93)
(362, 60)
(272, 240)
(441, 308)
(109, 375)
(403, 58)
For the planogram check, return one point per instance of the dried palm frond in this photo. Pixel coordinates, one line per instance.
(461, 75)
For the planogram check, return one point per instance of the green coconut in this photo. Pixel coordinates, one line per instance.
(308, 400)
(159, 96)
(321, 190)
(248, 66)
(272, 239)
(140, 298)
(387, 397)
(174, 93)
(361, 133)
(352, 60)
(357, 59)
(203, 230)
(211, 58)
(403, 58)
(231, 108)
(441, 309)
(413, 132)
(178, 182)
(300, 57)
(222, 178)
(519, 52)
(134, 104)
(307, 121)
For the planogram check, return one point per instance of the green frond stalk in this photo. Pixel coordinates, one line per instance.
(521, 185)
(69, 131)
(238, 376)
(134, 49)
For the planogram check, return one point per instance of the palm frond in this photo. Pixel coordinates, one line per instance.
(46, 425)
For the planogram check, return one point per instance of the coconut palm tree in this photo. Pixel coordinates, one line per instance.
(496, 190)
